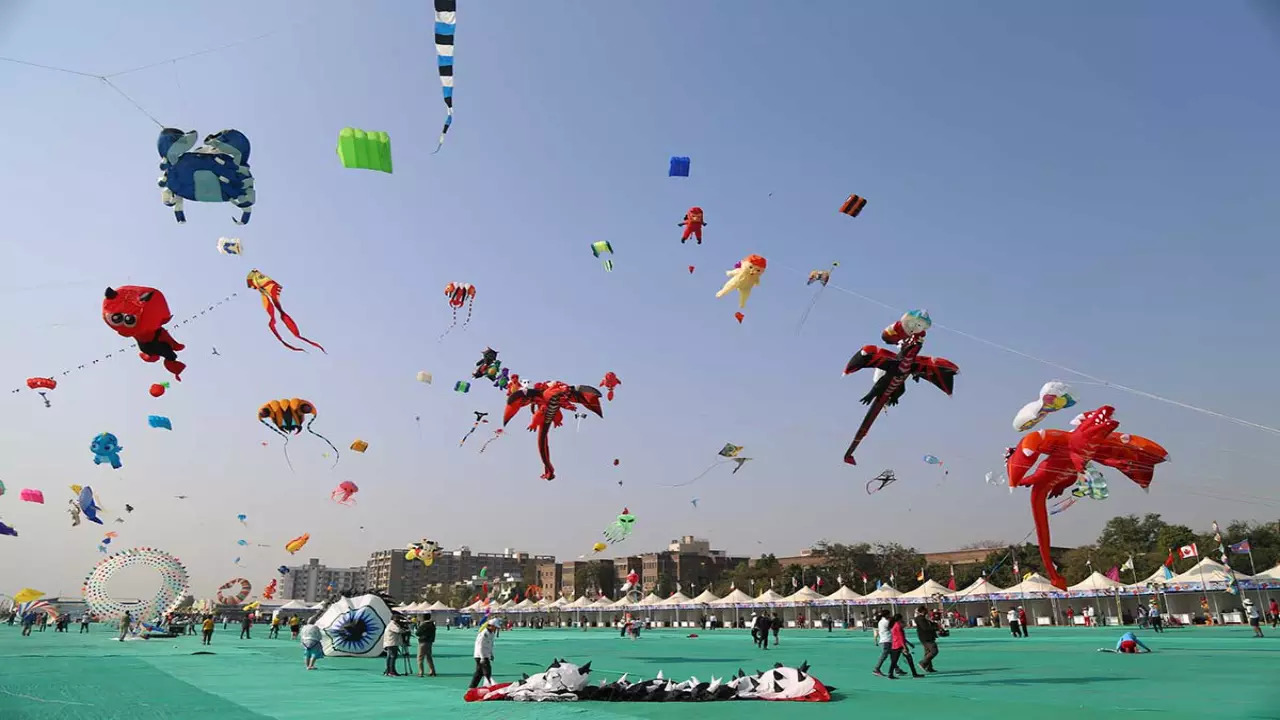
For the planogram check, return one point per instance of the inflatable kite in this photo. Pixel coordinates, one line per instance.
(934, 460)
(359, 445)
(546, 401)
(424, 377)
(894, 369)
(32, 496)
(693, 223)
(564, 681)
(853, 205)
(744, 276)
(610, 382)
(106, 449)
(363, 150)
(424, 550)
(1054, 395)
(459, 294)
(284, 417)
(40, 384)
(241, 593)
(26, 608)
(345, 493)
(88, 505)
(174, 585)
(446, 24)
(159, 421)
(602, 247)
(269, 591)
(353, 627)
(462, 386)
(140, 313)
(821, 277)
(158, 389)
(6, 530)
(621, 528)
(599, 547)
(1067, 454)
(271, 290)
(26, 595)
(217, 171)
(229, 246)
(296, 544)
(679, 167)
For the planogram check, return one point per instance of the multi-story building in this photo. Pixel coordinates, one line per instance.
(576, 579)
(312, 582)
(550, 575)
(406, 580)
(688, 564)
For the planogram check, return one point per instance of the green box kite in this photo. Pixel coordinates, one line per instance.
(364, 150)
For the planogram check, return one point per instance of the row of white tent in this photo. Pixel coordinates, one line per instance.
(1207, 575)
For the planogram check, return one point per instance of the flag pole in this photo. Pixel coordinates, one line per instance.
(1204, 587)
(1253, 571)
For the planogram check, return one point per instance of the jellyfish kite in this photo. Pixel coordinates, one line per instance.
(285, 417)
(217, 171)
(621, 528)
(602, 247)
(459, 294)
(344, 494)
(1066, 455)
(270, 291)
(140, 313)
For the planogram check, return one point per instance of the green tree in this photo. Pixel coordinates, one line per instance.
(1129, 533)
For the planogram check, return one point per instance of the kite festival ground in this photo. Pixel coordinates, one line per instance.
(983, 673)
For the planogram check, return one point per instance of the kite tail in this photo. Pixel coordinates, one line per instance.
(699, 476)
(470, 305)
(271, 323)
(805, 316)
(293, 328)
(451, 325)
(275, 430)
(336, 455)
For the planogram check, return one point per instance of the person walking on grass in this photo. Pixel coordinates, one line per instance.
(275, 627)
(206, 630)
(312, 649)
(884, 639)
(927, 634)
(1153, 614)
(1255, 617)
(84, 622)
(1012, 618)
(484, 654)
(246, 624)
(426, 638)
(125, 622)
(899, 647)
(1022, 621)
(775, 623)
(1274, 609)
(391, 644)
(294, 624)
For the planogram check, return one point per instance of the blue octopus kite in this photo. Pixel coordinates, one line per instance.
(217, 171)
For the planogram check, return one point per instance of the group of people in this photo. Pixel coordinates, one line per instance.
(891, 636)
(395, 643)
(1017, 617)
(761, 624)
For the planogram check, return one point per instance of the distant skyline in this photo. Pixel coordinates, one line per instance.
(1088, 185)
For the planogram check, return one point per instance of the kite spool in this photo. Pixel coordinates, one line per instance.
(174, 584)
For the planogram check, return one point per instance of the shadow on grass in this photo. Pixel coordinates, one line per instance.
(969, 671)
(1075, 680)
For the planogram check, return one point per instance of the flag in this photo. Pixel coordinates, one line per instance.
(819, 581)
(840, 580)
(1015, 568)
(1188, 551)
(1114, 573)
(1089, 563)
(1128, 564)
(1168, 562)
(890, 578)
(878, 583)
(920, 575)
(1168, 573)
(1241, 548)
(794, 583)
(864, 577)
(951, 584)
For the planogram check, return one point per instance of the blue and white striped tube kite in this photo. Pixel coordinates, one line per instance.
(446, 22)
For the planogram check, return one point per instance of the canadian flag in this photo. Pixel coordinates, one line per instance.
(1188, 551)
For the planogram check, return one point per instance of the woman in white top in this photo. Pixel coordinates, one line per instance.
(311, 646)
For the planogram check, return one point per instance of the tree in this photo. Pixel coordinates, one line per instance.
(1131, 533)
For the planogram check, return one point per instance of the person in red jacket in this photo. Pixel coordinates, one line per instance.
(900, 647)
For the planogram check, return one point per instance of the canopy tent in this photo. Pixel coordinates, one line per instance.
(928, 589)
(844, 594)
(1207, 570)
(976, 590)
(558, 603)
(649, 601)
(769, 597)
(602, 602)
(678, 599)
(622, 602)
(1034, 584)
(1096, 582)
(437, 606)
(524, 604)
(804, 595)
(581, 602)
(1272, 575)
(736, 597)
(295, 605)
(884, 592)
(706, 597)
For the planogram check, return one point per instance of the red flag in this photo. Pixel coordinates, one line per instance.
(951, 584)
(1168, 562)
(1188, 551)
(1114, 573)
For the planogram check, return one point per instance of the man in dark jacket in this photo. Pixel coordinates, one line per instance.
(426, 637)
(927, 634)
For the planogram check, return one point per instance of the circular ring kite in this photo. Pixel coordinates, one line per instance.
(239, 597)
(174, 584)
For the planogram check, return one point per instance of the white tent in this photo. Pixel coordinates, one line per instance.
(524, 604)
(678, 599)
(769, 596)
(1272, 575)
(737, 597)
(602, 602)
(1034, 584)
(844, 594)
(581, 602)
(295, 605)
(977, 589)
(927, 590)
(622, 602)
(558, 602)
(1210, 570)
(804, 595)
(1096, 582)
(706, 597)
(884, 592)
(649, 601)
(437, 606)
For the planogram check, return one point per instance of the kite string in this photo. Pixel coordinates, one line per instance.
(1064, 368)
(133, 102)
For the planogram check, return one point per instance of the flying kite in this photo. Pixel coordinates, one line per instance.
(730, 450)
(140, 313)
(496, 434)
(217, 171)
(359, 445)
(881, 481)
(229, 246)
(7, 530)
(610, 382)
(621, 528)
(933, 460)
(296, 544)
(459, 294)
(286, 417)
(31, 496)
(73, 509)
(158, 389)
(480, 418)
(446, 24)
(160, 422)
(816, 276)
(243, 519)
(88, 506)
(40, 384)
(744, 276)
(679, 167)
(1067, 455)
(602, 247)
(345, 493)
(693, 223)
(270, 291)
(853, 205)
(894, 369)
(1054, 395)
(424, 550)
(546, 401)
(424, 377)
(364, 150)
(462, 386)
(106, 449)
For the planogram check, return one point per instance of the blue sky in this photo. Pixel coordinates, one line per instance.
(1092, 184)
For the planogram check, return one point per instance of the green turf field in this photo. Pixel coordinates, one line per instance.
(984, 673)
